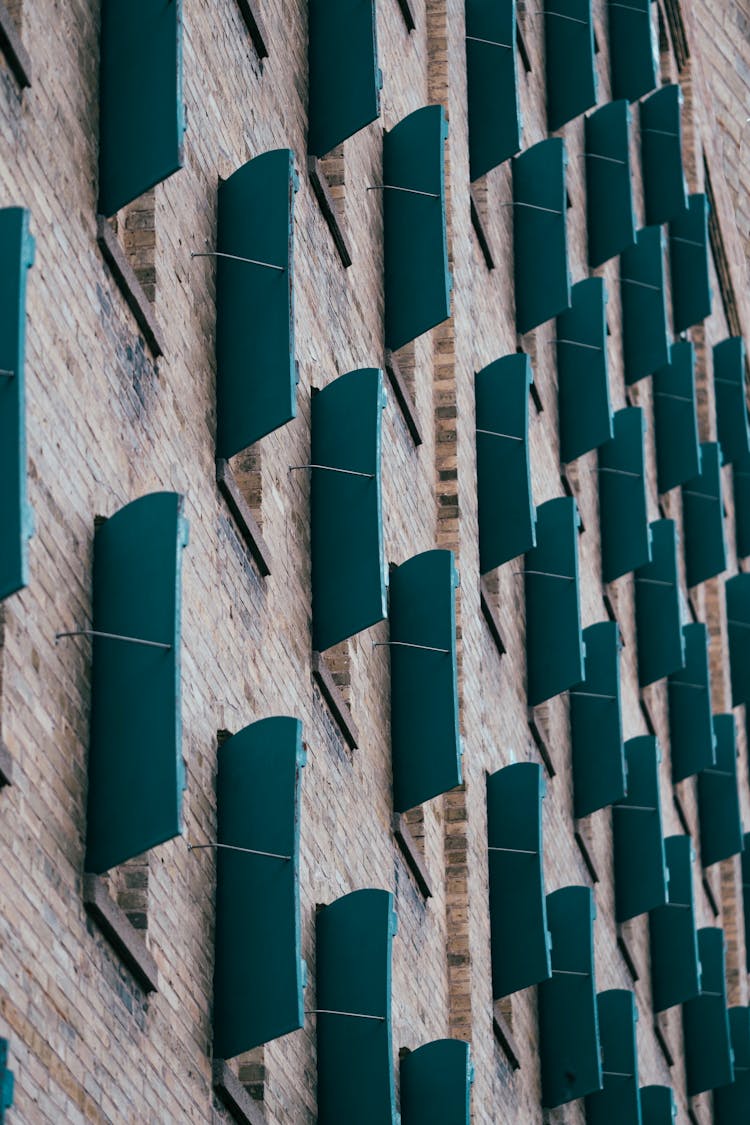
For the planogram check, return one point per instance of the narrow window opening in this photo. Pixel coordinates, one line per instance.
(251, 1072)
(665, 53)
(333, 168)
(128, 885)
(135, 228)
(415, 823)
(338, 659)
(247, 471)
(406, 358)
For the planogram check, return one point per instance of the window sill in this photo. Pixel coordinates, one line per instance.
(322, 192)
(541, 743)
(708, 890)
(129, 285)
(661, 1032)
(523, 49)
(411, 854)
(243, 516)
(331, 693)
(504, 1037)
(403, 397)
(11, 46)
(627, 953)
(6, 766)
(490, 617)
(481, 232)
(119, 932)
(234, 1097)
(407, 13)
(255, 26)
(586, 852)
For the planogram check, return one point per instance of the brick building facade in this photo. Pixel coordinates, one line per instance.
(108, 1002)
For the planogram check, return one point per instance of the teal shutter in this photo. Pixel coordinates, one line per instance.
(618, 1102)
(354, 940)
(425, 740)
(256, 377)
(417, 275)
(598, 755)
(675, 968)
(741, 488)
(676, 418)
(568, 1022)
(623, 514)
(518, 915)
(745, 859)
(645, 338)
(610, 216)
(633, 49)
(569, 59)
(691, 733)
(637, 838)
(688, 259)
(348, 565)
(135, 754)
(657, 1105)
(344, 79)
(584, 411)
(436, 1084)
(657, 608)
(703, 519)
(737, 591)
(732, 1102)
(733, 432)
(554, 646)
(719, 813)
(492, 84)
(705, 1020)
(258, 971)
(6, 1080)
(664, 188)
(16, 522)
(141, 115)
(506, 509)
(540, 245)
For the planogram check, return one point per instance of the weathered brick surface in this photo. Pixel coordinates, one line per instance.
(106, 424)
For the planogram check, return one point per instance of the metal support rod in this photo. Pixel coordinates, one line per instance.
(717, 379)
(677, 398)
(577, 344)
(641, 284)
(700, 495)
(515, 851)
(702, 993)
(594, 695)
(661, 132)
(411, 191)
(685, 683)
(234, 848)
(568, 973)
(332, 469)
(738, 624)
(110, 637)
(635, 808)
(598, 156)
(655, 582)
(619, 472)
(406, 644)
(7, 374)
(616, 1074)
(495, 433)
(332, 1012)
(562, 16)
(547, 574)
(679, 905)
(532, 206)
(489, 42)
(627, 7)
(236, 258)
(687, 241)
(718, 773)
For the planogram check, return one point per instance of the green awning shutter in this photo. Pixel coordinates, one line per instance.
(618, 1103)
(540, 245)
(584, 411)
(645, 337)
(719, 813)
(657, 1105)
(737, 591)
(610, 216)
(141, 114)
(425, 740)
(417, 274)
(259, 973)
(657, 608)
(637, 837)
(436, 1084)
(691, 732)
(346, 535)
(675, 968)
(664, 188)
(344, 79)
(492, 84)
(676, 418)
(741, 487)
(554, 645)
(506, 509)
(569, 58)
(6, 1080)
(598, 755)
(732, 1102)
(688, 259)
(705, 1020)
(518, 916)
(568, 1022)
(732, 427)
(16, 521)
(745, 859)
(633, 49)
(135, 754)
(256, 377)
(354, 940)
(703, 519)
(623, 514)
